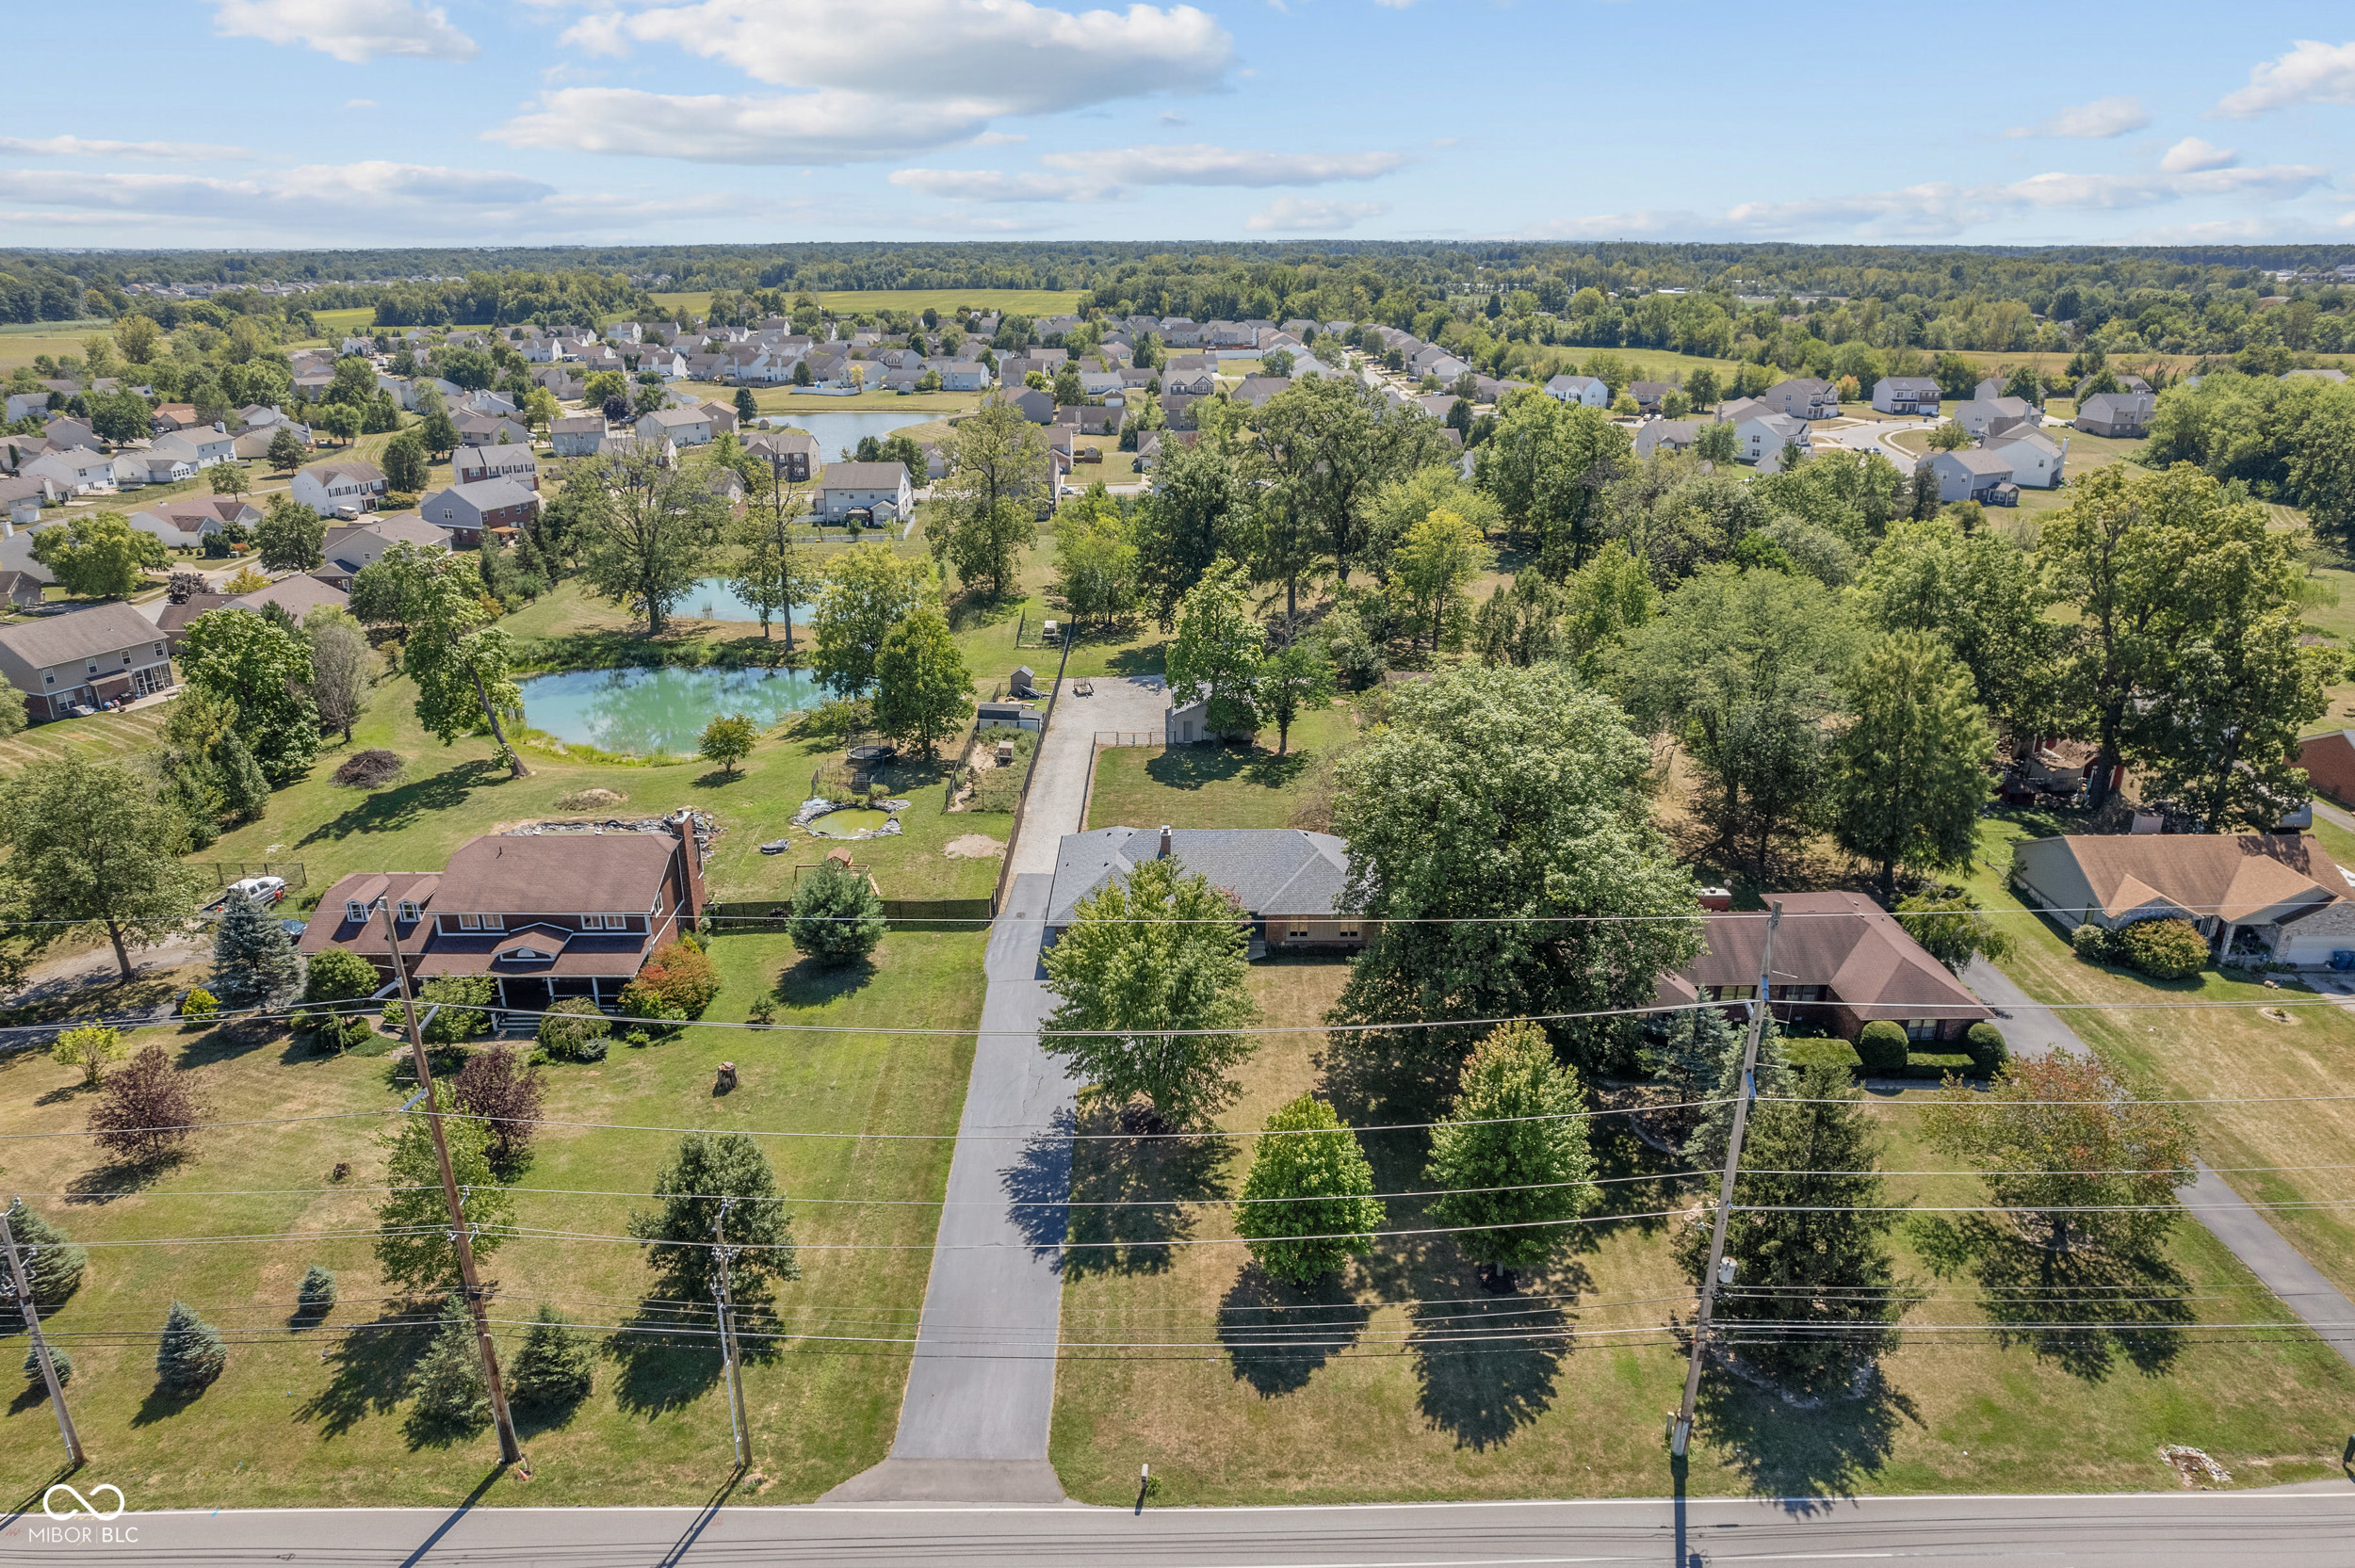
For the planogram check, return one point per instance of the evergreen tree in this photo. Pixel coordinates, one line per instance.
(453, 1393)
(1513, 1125)
(1308, 1179)
(245, 792)
(191, 1354)
(556, 1364)
(747, 410)
(1683, 1054)
(254, 963)
(1706, 1149)
(1814, 1289)
(59, 1357)
(316, 1295)
(53, 1263)
(837, 914)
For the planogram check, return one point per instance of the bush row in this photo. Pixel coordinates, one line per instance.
(2163, 948)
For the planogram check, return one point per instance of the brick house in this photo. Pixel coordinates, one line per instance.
(1842, 974)
(546, 916)
(466, 513)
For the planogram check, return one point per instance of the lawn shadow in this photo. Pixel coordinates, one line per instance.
(228, 1042)
(1276, 1335)
(1488, 1368)
(60, 1095)
(34, 1393)
(371, 1367)
(661, 1363)
(1274, 771)
(392, 810)
(1803, 1454)
(103, 1184)
(1196, 766)
(422, 1430)
(1153, 1181)
(1146, 660)
(2118, 1309)
(808, 983)
(718, 778)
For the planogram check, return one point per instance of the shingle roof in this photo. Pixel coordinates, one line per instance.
(2234, 875)
(865, 476)
(1869, 962)
(559, 874)
(1978, 461)
(83, 633)
(1269, 870)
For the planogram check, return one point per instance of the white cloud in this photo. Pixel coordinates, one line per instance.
(353, 31)
(999, 138)
(2094, 121)
(1197, 164)
(1299, 215)
(990, 185)
(1621, 225)
(2191, 155)
(82, 146)
(2310, 72)
(877, 77)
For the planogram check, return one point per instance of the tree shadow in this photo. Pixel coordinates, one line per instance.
(1152, 1180)
(162, 1403)
(103, 1184)
(808, 983)
(1488, 1368)
(1144, 660)
(718, 778)
(1276, 1335)
(228, 1042)
(1274, 771)
(1039, 1186)
(1196, 766)
(61, 1094)
(664, 1359)
(2112, 1308)
(1802, 1453)
(371, 1366)
(422, 1430)
(392, 810)
(81, 996)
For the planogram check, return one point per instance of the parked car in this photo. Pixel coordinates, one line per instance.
(262, 889)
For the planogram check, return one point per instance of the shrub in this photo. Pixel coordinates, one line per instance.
(680, 974)
(457, 1004)
(316, 1295)
(1821, 1053)
(837, 914)
(573, 1030)
(556, 1364)
(637, 1040)
(2163, 949)
(146, 1109)
(90, 1048)
(201, 1006)
(338, 974)
(1989, 1052)
(1936, 1064)
(1882, 1046)
(58, 1357)
(191, 1354)
(2091, 943)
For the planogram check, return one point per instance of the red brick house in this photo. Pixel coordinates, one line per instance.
(2330, 764)
(545, 915)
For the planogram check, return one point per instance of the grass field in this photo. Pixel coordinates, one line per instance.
(1397, 1398)
(23, 347)
(1218, 786)
(320, 1416)
(100, 734)
(2213, 1052)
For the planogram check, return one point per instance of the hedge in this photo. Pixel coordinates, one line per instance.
(2163, 948)
(1989, 1050)
(1880, 1046)
(1821, 1053)
(1936, 1064)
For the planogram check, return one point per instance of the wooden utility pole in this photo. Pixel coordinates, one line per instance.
(22, 1283)
(731, 1360)
(510, 1449)
(1680, 1435)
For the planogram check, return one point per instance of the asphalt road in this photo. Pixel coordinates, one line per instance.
(2285, 1527)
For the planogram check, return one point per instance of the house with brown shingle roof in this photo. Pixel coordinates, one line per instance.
(2283, 890)
(546, 916)
(1841, 961)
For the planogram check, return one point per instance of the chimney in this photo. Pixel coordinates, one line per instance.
(692, 862)
(1164, 841)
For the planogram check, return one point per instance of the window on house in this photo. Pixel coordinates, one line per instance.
(355, 910)
(1732, 992)
(1921, 1028)
(408, 909)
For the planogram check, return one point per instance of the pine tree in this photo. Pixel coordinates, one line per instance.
(51, 1260)
(315, 1297)
(1706, 1149)
(556, 1364)
(1309, 1179)
(254, 963)
(837, 914)
(191, 1353)
(1814, 1289)
(1512, 1125)
(58, 1357)
(453, 1391)
(245, 791)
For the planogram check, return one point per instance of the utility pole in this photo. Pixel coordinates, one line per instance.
(22, 1283)
(510, 1451)
(731, 1362)
(1680, 1435)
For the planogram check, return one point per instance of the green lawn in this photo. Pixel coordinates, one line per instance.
(2214, 1052)
(99, 735)
(1389, 1410)
(1218, 786)
(320, 1418)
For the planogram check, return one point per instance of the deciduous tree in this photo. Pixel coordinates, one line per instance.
(1909, 773)
(985, 510)
(1511, 1155)
(645, 531)
(869, 589)
(100, 556)
(707, 1169)
(261, 671)
(1547, 465)
(341, 662)
(505, 1095)
(1308, 1203)
(414, 1249)
(89, 842)
(1439, 555)
(1095, 561)
(459, 662)
(147, 1108)
(289, 536)
(1298, 679)
(923, 692)
(1157, 951)
(727, 740)
(1214, 657)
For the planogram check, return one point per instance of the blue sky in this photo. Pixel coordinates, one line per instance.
(264, 122)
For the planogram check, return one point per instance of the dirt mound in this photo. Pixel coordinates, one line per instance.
(972, 847)
(591, 800)
(369, 769)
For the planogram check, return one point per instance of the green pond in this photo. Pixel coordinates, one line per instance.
(662, 711)
(849, 823)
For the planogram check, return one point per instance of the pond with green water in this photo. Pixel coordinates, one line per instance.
(848, 823)
(660, 711)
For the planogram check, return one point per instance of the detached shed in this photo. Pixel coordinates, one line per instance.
(1019, 716)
